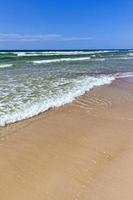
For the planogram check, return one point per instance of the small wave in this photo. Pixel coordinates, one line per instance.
(73, 52)
(123, 58)
(50, 53)
(124, 75)
(23, 54)
(127, 58)
(30, 110)
(130, 54)
(60, 60)
(5, 65)
(1, 52)
(99, 59)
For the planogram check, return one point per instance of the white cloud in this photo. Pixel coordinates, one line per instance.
(8, 37)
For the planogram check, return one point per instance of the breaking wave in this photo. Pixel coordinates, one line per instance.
(60, 60)
(30, 109)
(5, 65)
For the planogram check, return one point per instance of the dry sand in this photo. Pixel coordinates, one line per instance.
(81, 151)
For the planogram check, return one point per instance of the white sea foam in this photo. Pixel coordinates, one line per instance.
(127, 58)
(67, 60)
(81, 86)
(5, 65)
(21, 54)
(60, 60)
(3, 52)
(123, 58)
(124, 75)
(73, 52)
(130, 54)
(99, 59)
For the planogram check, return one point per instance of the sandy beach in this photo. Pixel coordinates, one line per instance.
(80, 151)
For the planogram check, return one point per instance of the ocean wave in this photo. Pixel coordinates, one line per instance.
(50, 53)
(29, 110)
(122, 58)
(74, 52)
(130, 54)
(1, 52)
(130, 50)
(124, 75)
(60, 60)
(23, 54)
(99, 59)
(5, 65)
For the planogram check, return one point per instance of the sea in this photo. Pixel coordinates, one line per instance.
(34, 81)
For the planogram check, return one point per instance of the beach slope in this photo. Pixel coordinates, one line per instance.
(79, 151)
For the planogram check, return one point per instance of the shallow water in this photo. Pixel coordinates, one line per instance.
(34, 81)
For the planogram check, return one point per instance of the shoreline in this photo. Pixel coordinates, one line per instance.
(66, 98)
(56, 108)
(76, 151)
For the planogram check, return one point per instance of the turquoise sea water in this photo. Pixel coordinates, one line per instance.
(34, 81)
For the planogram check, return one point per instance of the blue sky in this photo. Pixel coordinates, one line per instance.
(66, 24)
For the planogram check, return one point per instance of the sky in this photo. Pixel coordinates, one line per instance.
(66, 24)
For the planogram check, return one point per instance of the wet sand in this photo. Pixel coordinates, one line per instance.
(81, 151)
